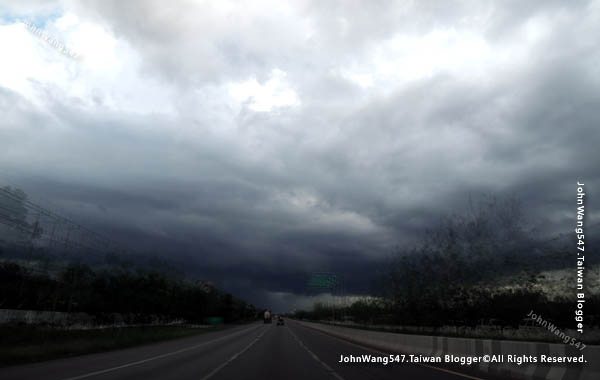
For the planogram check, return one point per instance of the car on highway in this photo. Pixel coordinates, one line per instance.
(280, 321)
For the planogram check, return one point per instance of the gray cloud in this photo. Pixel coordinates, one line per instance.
(259, 200)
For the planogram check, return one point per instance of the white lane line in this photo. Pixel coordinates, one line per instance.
(381, 352)
(213, 372)
(158, 357)
(328, 368)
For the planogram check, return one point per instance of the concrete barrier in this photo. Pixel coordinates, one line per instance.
(35, 317)
(83, 321)
(439, 346)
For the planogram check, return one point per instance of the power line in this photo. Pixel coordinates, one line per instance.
(41, 225)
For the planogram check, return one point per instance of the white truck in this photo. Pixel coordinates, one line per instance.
(267, 317)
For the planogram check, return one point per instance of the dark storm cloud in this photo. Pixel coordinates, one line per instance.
(367, 159)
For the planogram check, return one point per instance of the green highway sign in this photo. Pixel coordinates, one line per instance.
(321, 281)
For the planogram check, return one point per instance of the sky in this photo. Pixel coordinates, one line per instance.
(259, 142)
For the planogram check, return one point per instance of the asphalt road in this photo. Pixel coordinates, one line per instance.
(258, 351)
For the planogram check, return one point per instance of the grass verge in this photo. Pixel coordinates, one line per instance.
(27, 344)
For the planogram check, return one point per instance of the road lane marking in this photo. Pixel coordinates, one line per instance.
(387, 353)
(328, 368)
(95, 373)
(213, 372)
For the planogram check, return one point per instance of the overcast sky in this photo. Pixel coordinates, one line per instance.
(262, 141)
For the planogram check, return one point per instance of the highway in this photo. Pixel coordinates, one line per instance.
(256, 351)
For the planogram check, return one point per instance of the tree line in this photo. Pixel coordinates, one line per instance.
(140, 296)
(480, 265)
